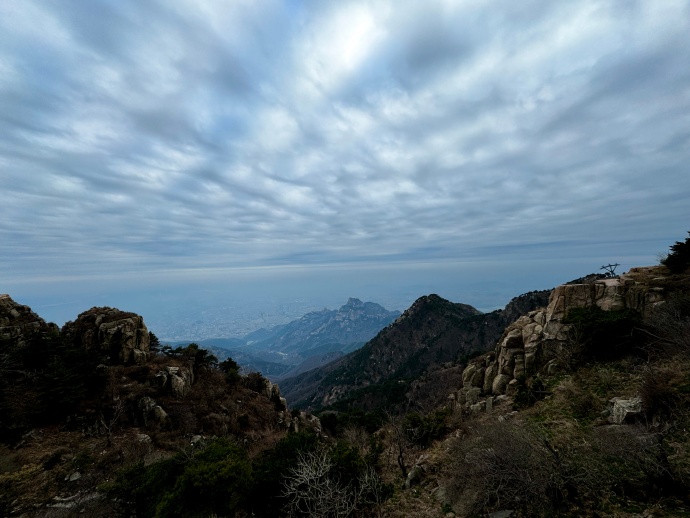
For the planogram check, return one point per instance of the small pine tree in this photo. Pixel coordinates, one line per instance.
(678, 260)
(154, 343)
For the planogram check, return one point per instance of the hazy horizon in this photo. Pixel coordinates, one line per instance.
(249, 299)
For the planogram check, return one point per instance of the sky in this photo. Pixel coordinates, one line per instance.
(153, 151)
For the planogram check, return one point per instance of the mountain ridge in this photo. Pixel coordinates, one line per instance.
(309, 341)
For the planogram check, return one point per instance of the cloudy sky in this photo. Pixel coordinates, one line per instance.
(242, 141)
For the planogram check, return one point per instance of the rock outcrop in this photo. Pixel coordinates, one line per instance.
(123, 335)
(18, 322)
(624, 410)
(533, 343)
(176, 380)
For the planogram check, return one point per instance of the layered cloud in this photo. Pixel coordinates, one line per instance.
(139, 136)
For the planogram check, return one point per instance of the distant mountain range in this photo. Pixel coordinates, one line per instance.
(308, 342)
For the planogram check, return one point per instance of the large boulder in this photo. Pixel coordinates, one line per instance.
(18, 323)
(176, 380)
(122, 335)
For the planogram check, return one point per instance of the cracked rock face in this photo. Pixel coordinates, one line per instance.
(123, 335)
(532, 343)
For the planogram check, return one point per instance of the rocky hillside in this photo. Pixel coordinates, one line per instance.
(80, 404)
(432, 332)
(580, 408)
(542, 341)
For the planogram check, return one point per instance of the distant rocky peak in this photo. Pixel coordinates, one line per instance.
(355, 308)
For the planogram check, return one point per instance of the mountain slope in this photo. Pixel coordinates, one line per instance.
(433, 331)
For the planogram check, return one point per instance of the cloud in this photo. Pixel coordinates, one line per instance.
(206, 134)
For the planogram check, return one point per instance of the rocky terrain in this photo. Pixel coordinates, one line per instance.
(18, 323)
(123, 336)
(81, 403)
(541, 341)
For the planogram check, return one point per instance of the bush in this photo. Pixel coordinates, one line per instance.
(215, 481)
(46, 381)
(529, 392)
(423, 430)
(659, 392)
(604, 335)
(212, 482)
(337, 422)
(548, 472)
(332, 482)
(670, 328)
(231, 370)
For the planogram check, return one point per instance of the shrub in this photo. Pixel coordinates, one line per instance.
(658, 391)
(670, 328)
(231, 370)
(547, 471)
(529, 392)
(215, 481)
(332, 482)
